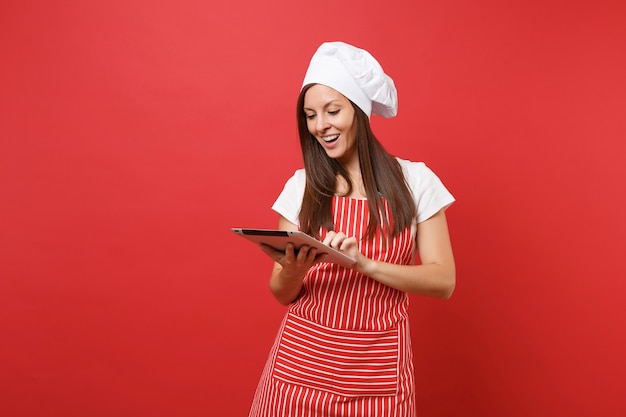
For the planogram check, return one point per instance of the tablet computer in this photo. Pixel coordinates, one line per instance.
(278, 239)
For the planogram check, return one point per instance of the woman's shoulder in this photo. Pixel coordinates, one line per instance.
(296, 181)
(412, 168)
(417, 174)
(298, 176)
(428, 190)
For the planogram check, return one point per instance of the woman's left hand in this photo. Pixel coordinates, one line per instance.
(346, 245)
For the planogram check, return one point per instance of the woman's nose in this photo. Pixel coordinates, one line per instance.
(322, 123)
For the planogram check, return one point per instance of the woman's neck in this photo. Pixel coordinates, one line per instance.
(358, 189)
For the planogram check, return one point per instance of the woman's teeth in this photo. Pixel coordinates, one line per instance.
(332, 138)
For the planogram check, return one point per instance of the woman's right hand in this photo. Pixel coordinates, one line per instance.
(295, 264)
(290, 266)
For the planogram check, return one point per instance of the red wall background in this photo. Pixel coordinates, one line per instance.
(134, 134)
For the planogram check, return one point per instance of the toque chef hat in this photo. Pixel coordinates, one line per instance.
(356, 74)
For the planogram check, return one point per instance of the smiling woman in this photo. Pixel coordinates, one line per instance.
(344, 343)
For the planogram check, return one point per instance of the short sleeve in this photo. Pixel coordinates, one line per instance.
(289, 201)
(428, 191)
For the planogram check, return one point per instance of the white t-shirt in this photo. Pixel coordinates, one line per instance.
(428, 191)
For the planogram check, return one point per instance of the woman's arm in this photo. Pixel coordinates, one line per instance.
(289, 267)
(434, 277)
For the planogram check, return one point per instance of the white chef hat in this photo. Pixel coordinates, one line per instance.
(356, 74)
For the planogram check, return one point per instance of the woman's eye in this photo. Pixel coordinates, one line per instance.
(310, 116)
(333, 112)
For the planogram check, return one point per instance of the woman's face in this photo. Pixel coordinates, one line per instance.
(330, 119)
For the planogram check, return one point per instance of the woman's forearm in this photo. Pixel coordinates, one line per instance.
(285, 288)
(433, 280)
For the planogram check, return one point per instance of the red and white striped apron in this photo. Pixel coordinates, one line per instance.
(344, 346)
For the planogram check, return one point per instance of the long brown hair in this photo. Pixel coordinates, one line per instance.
(381, 173)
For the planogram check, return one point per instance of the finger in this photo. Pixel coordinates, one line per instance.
(303, 253)
(337, 240)
(347, 243)
(329, 237)
(290, 250)
(311, 255)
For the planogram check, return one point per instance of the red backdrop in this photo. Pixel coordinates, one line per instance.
(134, 134)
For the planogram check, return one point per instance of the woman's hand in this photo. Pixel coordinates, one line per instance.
(348, 246)
(290, 266)
(294, 263)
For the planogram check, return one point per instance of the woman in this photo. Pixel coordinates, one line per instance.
(344, 347)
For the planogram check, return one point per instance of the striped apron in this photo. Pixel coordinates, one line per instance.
(343, 348)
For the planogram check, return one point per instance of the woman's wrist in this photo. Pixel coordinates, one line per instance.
(367, 266)
(290, 277)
